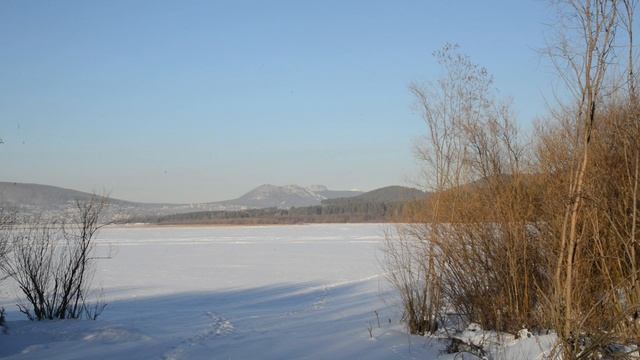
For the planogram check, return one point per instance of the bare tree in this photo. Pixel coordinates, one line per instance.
(543, 236)
(411, 269)
(52, 263)
(627, 16)
(583, 52)
(471, 244)
(7, 221)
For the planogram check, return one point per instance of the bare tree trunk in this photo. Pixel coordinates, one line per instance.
(596, 21)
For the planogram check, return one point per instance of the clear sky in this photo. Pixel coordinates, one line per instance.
(189, 101)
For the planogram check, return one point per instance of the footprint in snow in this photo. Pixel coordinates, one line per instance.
(218, 326)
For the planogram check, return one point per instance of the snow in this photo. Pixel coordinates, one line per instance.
(506, 346)
(262, 292)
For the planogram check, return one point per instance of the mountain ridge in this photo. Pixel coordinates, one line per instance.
(387, 194)
(287, 196)
(40, 199)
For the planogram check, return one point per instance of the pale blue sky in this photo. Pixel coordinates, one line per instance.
(187, 101)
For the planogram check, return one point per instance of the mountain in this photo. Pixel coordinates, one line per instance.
(333, 194)
(284, 197)
(42, 199)
(46, 200)
(35, 199)
(388, 194)
(272, 204)
(35, 195)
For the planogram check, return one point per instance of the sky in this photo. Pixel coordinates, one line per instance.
(193, 101)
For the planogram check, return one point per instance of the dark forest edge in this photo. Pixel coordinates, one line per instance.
(347, 212)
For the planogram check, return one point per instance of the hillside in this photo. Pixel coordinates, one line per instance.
(36, 199)
(388, 194)
(284, 197)
(45, 196)
(380, 205)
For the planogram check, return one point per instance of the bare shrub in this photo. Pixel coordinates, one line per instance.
(606, 303)
(590, 147)
(411, 269)
(475, 244)
(52, 264)
(7, 221)
(543, 236)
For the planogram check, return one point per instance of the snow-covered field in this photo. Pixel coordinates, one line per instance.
(269, 292)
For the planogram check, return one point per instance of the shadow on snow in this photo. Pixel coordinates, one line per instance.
(310, 320)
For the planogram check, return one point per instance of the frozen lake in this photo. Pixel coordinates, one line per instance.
(179, 259)
(274, 292)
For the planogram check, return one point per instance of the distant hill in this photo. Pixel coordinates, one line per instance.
(44, 199)
(35, 199)
(380, 205)
(333, 194)
(45, 196)
(284, 197)
(388, 194)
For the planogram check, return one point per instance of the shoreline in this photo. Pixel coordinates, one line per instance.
(204, 225)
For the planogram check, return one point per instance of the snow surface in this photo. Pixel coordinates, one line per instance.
(264, 292)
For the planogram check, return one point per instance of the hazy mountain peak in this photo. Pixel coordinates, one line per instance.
(49, 200)
(286, 196)
(317, 188)
(387, 194)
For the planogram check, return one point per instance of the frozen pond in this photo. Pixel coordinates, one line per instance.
(156, 260)
(274, 292)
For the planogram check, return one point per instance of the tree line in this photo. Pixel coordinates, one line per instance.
(343, 212)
